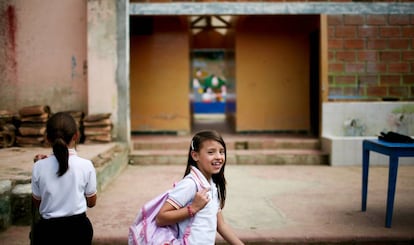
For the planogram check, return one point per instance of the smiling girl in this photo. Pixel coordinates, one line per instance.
(206, 162)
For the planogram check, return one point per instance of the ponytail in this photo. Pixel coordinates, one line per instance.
(60, 129)
(62, 155)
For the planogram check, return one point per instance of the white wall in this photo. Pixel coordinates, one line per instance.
(102, 58)
(375, 117)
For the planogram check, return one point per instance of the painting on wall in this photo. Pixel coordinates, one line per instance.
(212, 80)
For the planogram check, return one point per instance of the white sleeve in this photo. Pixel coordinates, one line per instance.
(90, 189)
(183, 192)
(35, 183)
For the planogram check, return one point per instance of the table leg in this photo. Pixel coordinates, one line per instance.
(392, 179)
(365, 169)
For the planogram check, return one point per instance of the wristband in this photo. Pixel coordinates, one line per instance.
(190, 211)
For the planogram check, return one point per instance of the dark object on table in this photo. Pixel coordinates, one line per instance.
(395, 137)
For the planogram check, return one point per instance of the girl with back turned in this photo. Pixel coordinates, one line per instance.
(63, 186)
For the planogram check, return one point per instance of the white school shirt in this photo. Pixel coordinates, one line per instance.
(204, 226)
(65, 195)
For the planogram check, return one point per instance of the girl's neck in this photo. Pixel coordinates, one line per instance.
(72, 145)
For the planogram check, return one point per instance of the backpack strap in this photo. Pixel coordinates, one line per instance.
(187, 230)
(195, 176)
(196, 182)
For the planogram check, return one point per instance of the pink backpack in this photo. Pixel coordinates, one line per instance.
(144, 231)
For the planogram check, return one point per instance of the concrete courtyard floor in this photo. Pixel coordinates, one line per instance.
(276, 204)
(265, 204)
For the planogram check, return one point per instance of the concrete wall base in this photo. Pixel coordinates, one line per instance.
(347, 151)
(16, 200)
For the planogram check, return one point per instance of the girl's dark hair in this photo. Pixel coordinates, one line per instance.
(60, 129)
(195, 145)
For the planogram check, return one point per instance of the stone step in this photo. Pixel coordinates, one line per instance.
(15, 176)
(239, 157)
(241, 149)
(240, 142)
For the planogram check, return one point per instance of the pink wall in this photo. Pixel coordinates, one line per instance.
(43, 57)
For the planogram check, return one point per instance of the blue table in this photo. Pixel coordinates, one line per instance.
(394, 151)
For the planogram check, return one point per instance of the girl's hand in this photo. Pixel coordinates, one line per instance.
(38, 157)
(201, 199)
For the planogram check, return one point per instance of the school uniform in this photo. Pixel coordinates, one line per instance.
(63, 203)
(204, 226)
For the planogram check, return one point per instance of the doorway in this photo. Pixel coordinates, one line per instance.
(269, 60)
(212, 80)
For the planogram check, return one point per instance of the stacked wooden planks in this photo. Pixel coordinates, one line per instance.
(7, 129)
(98, 128)
(32, 129)
(28, 127)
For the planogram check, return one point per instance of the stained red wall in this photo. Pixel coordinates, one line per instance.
(43, 54)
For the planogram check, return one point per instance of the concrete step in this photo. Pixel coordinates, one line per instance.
(239, 157)
(15, 176)
(241, 149)
(245, 142)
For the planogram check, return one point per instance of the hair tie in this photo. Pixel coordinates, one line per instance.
(192, 145)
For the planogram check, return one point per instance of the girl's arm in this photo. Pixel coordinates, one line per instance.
(38, 157)
(91, 200)
(169, 215)
(36, 202)
(226, 231)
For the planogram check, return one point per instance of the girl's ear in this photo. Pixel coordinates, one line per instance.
(75, 137)
(194, 155)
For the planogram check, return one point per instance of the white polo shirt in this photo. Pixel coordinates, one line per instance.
(63, 196)
(204, 226)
